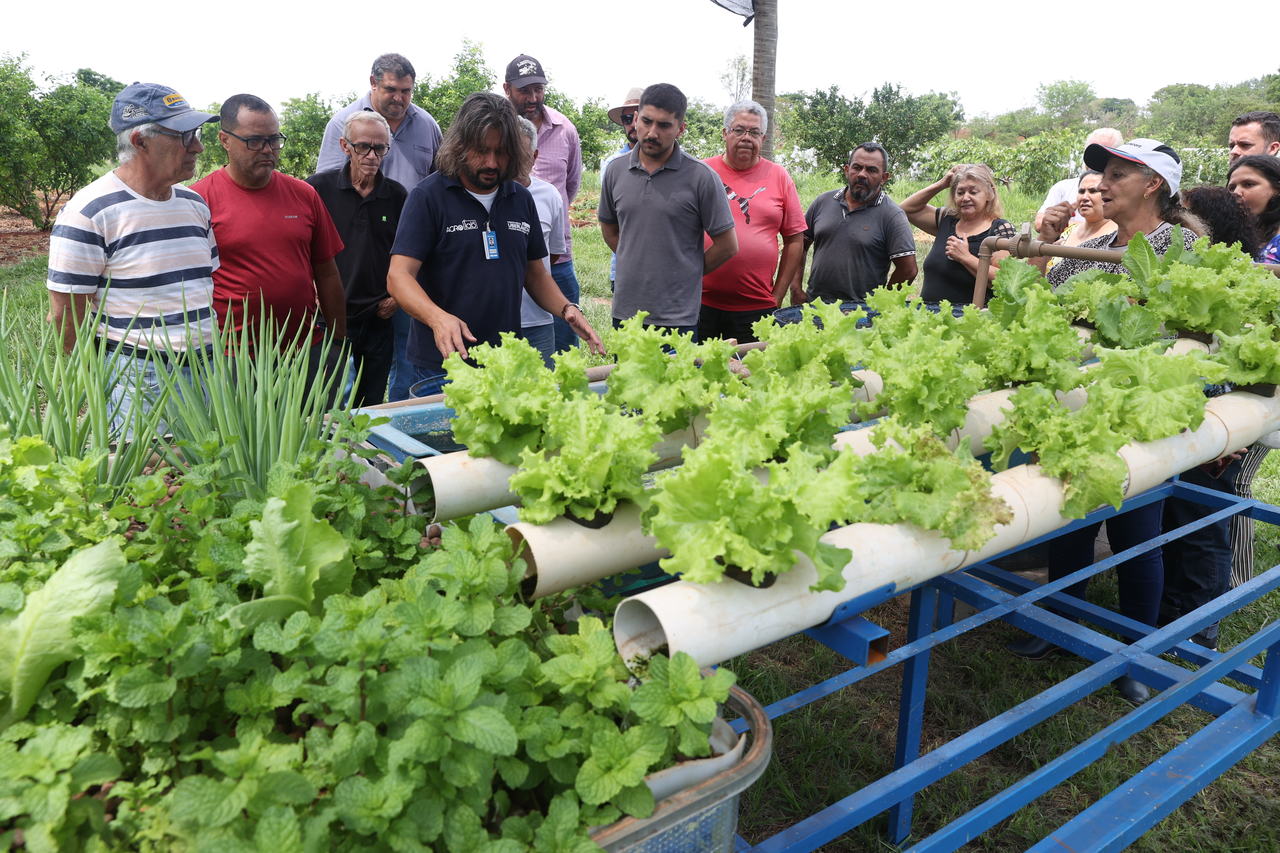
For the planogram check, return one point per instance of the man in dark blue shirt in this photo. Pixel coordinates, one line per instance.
(469, 240)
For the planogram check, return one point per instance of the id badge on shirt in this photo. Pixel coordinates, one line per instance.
(490, 245)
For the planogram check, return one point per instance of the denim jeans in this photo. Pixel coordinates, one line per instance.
(425, 381)
(401, 368)
(543, 339)
(568, 283)
(130, 375)
(1141, 580)
(1197, 567)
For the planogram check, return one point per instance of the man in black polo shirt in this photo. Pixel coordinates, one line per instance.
(365, 205)
(856, 232)
(469, 241)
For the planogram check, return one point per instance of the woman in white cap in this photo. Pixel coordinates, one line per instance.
(1139, 193)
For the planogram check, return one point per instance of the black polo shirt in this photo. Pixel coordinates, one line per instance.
(367, 225)
(443, 226)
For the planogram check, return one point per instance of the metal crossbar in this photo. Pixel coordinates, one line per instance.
(1244, 720)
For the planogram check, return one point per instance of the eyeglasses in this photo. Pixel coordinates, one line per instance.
(187, 136)
(363, 148)
(256, 143)
(627, 118)
(753, 132)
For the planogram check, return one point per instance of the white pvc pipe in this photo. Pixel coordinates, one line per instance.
(714, 622)
(563, 554)
(1182, 346)
(463, 484)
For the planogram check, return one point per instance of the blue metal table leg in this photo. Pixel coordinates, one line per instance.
(915, 677)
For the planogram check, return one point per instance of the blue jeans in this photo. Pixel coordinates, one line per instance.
(1197, 567)
(1141, 579)
(401, 368)
(543, 339)
(568, 283)
(425, 381)
(129, 376)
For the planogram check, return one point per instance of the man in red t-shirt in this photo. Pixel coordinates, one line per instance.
(764, 204)
(276, 240)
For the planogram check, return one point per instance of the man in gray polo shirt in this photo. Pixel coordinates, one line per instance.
(656, 205)
(855, 233)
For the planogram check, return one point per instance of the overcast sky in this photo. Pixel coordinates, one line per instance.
(595, 48)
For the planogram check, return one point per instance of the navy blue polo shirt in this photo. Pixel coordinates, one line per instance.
(443, 226)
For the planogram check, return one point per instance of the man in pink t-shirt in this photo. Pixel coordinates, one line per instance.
(276, 240)
(765, 205)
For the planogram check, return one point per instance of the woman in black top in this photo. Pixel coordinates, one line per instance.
(972, 214)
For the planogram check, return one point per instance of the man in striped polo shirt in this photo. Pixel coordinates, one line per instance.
(139, 247)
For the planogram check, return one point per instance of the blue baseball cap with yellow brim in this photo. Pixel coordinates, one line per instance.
(147, 103)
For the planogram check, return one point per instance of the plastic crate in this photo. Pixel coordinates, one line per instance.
(704, 817)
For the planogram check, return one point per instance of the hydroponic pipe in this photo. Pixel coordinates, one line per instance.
(462, 484)
(714, 622)
(563, 554)
(1026, 246)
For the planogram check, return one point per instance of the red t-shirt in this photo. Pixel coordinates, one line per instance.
(269, 239)
(745, 281)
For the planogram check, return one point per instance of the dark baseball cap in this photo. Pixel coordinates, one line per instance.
(523, 70)
(145, 103)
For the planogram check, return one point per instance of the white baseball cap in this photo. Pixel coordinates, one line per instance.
(1157, 156)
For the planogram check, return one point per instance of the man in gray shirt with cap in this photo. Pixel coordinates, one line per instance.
(657, 207)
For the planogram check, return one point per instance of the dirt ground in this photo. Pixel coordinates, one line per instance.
(19, 239)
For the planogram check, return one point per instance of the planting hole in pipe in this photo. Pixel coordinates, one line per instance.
(521, 548)
(637, 632)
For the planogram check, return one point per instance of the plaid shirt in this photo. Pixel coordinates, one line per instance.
(559, 162)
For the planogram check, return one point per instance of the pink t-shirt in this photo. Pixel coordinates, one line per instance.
(764, 204)
(268, 241)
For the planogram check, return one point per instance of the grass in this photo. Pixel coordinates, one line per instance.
(842, 743)
(972, 679)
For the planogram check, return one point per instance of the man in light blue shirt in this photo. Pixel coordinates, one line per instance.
(415, 138)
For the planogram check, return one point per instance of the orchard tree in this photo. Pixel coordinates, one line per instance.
(73, 122)
(1066, 101)
(303, 120)
(470, 74)
(905, 123)
(54, 143)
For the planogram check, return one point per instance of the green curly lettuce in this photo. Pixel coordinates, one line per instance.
(592, 457)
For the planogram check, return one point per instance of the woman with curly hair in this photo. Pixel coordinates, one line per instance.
(1225, 215)
(1255, 179)
(972, 214)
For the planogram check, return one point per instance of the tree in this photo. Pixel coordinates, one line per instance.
(736, 78)
(904, 123)
(832, 124)
(470, 74)
(765, 63)
(303, 120)
(54, 143)
(1066, 101)
(108, 86)
(1195, 115)
(74, 123)
(595, 131)
(18, 138)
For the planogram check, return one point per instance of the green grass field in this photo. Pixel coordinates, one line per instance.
(839, 744)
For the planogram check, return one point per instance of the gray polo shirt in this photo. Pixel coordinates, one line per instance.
(852, 248)
(662, 219)
(413, 146)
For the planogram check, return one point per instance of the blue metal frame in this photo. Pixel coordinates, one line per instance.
(1244, 720)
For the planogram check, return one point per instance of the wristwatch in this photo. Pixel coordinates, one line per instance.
(569, 305)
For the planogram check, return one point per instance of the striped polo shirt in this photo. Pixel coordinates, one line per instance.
(149, 263)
